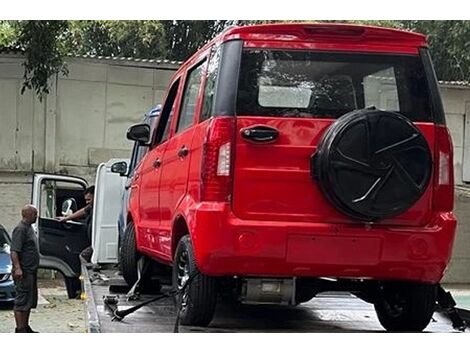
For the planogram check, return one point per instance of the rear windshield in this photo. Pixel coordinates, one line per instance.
(311, 84)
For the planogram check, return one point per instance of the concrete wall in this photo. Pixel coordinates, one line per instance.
(457, 107)
(81, 123)
(83, 120)
(458, 270)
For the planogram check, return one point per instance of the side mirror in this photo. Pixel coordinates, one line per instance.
(69, 206)
(139, 133)
(120, 168)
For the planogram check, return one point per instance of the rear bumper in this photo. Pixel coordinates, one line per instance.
(226, 245)
(7, 291)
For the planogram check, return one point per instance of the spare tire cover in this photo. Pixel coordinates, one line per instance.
(372, 164)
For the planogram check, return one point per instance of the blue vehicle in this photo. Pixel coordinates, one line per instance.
(7, 286)
(138, 153)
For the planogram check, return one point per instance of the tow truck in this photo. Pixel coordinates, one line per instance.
(112, 306)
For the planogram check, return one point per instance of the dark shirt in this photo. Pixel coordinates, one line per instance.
(89, 220)
(25, 243)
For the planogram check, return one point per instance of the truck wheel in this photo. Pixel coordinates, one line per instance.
(129, 255)
(406, 306)
(199, 299)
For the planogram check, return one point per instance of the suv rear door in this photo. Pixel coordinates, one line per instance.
(299, 94)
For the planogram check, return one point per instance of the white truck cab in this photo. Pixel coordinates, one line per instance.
(60, 243)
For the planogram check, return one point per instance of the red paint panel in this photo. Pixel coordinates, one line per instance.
(272, 182)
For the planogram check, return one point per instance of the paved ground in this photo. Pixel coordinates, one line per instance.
(55, 312)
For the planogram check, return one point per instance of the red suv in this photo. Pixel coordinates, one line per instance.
(294, 159)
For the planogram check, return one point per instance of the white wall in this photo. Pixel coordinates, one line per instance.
(456, 105)
(83, 120)
(81, 123)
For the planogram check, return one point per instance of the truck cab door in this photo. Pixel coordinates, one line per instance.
(109, 187)
(60, 243)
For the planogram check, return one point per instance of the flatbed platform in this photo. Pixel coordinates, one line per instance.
(328, 312)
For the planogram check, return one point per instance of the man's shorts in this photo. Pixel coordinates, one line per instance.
(26, 292)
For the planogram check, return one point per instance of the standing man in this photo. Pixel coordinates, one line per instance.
(25, 259)
(86, 213)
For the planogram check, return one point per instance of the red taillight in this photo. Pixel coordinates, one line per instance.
(443, 171)
(217, 157)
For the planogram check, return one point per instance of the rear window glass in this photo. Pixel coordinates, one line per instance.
(311, 84)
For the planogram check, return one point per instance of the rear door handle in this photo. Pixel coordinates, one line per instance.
(183, 152)
(260, 134)
(157, 163)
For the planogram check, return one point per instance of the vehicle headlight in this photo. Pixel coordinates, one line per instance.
(5, 277)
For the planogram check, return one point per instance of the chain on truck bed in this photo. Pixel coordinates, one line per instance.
(112, 301)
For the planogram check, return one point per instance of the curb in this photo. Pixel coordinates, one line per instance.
(92, 320)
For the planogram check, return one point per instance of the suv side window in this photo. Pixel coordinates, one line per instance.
(137, 154)
(133, 161)
(191, 92)
(163, 130)
(210, 88)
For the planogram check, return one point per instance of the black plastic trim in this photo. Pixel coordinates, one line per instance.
(227, 81)
(431, 78)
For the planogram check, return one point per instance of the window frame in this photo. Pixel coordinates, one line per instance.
(215, 50)
(427, 115)
(175, 88)
(202, 64)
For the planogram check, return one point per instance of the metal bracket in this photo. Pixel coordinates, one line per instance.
(447, 304)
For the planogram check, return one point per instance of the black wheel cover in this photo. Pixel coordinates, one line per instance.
(372, 164)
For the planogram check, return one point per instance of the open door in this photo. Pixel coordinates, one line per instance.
(60, 243)
(109, 187)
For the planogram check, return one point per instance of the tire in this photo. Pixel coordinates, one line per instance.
(129, 255)
(199, 301)
(406, 306)
(372, 164)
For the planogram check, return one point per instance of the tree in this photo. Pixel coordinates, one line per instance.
(42, 42)
(449, 47)
(142, 39)
(8, 33)
(184, 38)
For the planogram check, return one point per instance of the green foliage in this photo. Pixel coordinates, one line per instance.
(42, 42)
(185, 37)
(143, 39)
(449, 46)
(8, 33)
